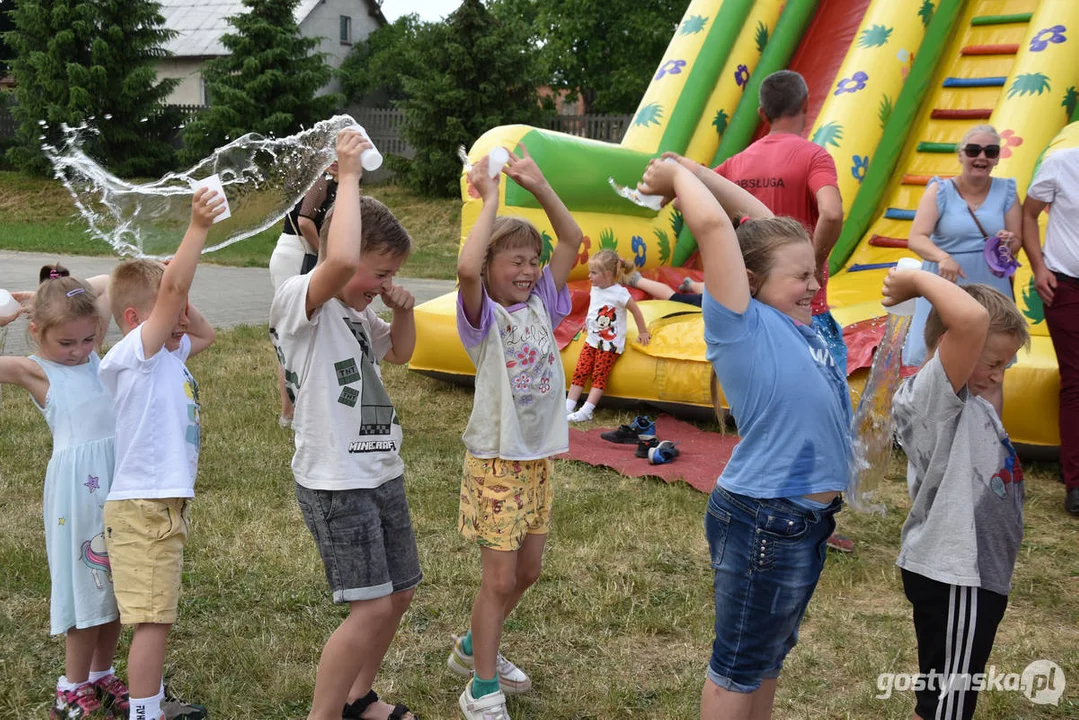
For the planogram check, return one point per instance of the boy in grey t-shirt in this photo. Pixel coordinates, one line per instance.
(962, 535)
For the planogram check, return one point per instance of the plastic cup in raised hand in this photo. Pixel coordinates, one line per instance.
(371, 158)
(905, 308)
(8, 304)
(496, 159)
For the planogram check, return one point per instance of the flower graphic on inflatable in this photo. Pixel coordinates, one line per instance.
(859, 167)
(639, 250)
(1053, 34)
(586, 245)
(741, 75)
(906, 57)
(1008, 140)
(671, 67)
(852, 84)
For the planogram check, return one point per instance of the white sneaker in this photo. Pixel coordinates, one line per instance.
(579, 416)
(488, 707)
(511, 678)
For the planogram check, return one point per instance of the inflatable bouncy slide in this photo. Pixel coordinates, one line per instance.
(893, 86)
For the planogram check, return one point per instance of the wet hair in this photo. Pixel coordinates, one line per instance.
(380, 230)
(51, 272)
(974, 131)
(510, 233)
(760, 239)
(134, 284)
(608, 261)
(782, 94)
(60, 300)
(1004, 317)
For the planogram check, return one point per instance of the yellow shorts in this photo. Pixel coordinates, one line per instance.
(502, 501)
(145, 540)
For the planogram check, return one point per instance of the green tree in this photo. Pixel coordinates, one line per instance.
(373, 71)
(6, 25)
(92, 61)
(267, 83)
(606, 50)
(472, 73)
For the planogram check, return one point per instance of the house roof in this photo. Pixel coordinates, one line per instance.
(200, 25)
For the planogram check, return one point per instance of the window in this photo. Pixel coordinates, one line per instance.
(346, 30)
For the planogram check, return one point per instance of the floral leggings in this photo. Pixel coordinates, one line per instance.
(595, 363)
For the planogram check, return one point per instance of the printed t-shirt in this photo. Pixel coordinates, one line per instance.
(606, 320)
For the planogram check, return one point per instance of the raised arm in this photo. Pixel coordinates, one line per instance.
(180, 272)
(199, 330)
(342, 255)
(724, 269)
(925, 219)
(525, 172)
(965, 321)
(470, 261)
(26, 373)
(736, 202)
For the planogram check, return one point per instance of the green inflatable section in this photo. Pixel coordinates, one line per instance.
(776, 54)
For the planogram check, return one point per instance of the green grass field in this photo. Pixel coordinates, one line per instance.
(38, 215)
(619, 625)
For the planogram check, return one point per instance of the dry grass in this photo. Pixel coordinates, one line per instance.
(37, 215)
(619, 625)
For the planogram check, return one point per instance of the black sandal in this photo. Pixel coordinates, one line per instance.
(399, 712)
(355, 710)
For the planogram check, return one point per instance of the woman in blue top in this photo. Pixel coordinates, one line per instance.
(772, 511)
(949, 240)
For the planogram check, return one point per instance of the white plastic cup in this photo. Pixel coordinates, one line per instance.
(8, 304)
(905, 308)
(496, 159)
(371, 159)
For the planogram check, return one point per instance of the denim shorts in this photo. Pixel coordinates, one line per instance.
(767, 556)
(365, 539)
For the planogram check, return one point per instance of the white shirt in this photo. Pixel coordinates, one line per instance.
(1057, 182)
(348, 435)
(157, 420)
(606, 321)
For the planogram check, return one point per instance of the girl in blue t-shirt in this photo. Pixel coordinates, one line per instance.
(772, 511)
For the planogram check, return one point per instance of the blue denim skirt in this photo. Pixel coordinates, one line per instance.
(767, 556)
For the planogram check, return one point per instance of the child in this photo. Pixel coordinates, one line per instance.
(157, 449)
(773, 507)
(506, 313)
(962, 535)
(62, 381)
(689, 291)
(606, 325)
(350, 481)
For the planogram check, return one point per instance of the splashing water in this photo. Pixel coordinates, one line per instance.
(263, 178)
(873, 424)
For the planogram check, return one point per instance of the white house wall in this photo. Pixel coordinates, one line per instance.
(324, 22)
(189, 72)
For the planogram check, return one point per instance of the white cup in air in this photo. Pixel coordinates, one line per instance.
(371, 159)
(905, 308)
(213, 183)
(8, 304)
(496, 159)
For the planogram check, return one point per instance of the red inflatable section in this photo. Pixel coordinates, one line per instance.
(821, 52)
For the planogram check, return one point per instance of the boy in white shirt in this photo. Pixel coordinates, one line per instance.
(348, 469)
(157, 450)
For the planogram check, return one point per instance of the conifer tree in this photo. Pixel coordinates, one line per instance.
(266, 85)
(92, 61)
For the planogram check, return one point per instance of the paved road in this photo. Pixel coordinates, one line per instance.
(228, 296)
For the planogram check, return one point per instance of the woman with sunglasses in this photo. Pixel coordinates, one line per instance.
(955, 217)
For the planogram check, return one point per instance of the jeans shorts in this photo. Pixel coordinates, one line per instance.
(767, 556)
(365, 539)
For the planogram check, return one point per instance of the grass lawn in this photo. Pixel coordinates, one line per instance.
(619, 625)
(37, 215)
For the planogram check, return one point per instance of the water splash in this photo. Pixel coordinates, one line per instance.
(873, 424)
(263, 178)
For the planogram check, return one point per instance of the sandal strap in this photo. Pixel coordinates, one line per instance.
(399, 712)
(357, 708)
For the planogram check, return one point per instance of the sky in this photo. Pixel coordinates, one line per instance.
(429, 10)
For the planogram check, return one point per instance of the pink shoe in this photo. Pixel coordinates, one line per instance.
(113, 696)
(75, 704)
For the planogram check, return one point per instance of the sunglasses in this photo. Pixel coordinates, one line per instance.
(973, 150)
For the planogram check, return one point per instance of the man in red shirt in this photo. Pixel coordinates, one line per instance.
(795, 177)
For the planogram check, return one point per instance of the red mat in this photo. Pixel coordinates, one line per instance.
(703, 454)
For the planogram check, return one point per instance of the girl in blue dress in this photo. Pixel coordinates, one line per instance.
(949, 240)
(66, 323)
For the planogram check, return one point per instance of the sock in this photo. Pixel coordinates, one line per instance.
(571, 405)
(146, 708)
(587, 409)
(481, 688)
(466, 643)
(96, 675)
(65, 685)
